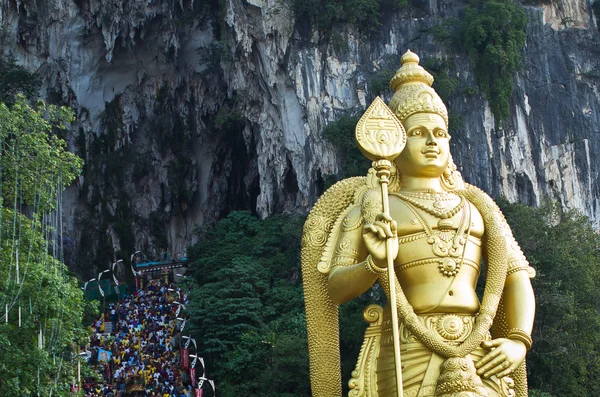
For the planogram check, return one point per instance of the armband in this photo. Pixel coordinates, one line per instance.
(516, 266)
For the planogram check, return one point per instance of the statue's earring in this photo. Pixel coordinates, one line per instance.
(451, 179)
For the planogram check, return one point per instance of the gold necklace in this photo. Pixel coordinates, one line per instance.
(449, 247)
(438, 210)
(444, 196)
(437, 198)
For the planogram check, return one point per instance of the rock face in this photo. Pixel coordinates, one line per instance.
(187, 109)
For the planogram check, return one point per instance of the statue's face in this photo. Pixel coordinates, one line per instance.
(427, 146)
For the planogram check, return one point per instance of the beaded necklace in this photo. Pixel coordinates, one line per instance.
(434, 211)
(445, 196)
(448, 246)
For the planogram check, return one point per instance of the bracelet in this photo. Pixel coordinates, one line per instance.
(373, 268)
(520, 335)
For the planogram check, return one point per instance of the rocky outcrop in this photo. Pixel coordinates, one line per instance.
(187, 110)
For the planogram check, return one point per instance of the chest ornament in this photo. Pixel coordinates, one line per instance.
(446, 244)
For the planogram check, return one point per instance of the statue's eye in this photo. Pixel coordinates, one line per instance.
(416, 132)
(441, 134)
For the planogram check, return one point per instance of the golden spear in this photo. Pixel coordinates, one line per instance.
(381, 138)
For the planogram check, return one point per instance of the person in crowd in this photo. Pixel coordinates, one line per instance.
(141, 345)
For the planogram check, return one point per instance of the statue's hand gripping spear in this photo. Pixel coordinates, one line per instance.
(381, 138)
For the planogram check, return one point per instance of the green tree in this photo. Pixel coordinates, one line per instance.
(50, 300)
(564, 249)
(492, 32)
(35, 168)
(35, 162)
(15, 79)
(247, 309)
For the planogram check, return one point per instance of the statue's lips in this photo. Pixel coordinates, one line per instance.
(431, 153)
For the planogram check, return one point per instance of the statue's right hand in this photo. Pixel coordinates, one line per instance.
(375, 236)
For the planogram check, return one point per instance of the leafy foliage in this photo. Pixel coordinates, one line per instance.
(228, 120)
(443, 32)
(14, 79)
(492, 32)
(324, 14)
(538, 393)
(565, 250)
(248, 311)
(50, 299)
(35, 168)
(32, 155)
(247, 306)
(380, 82)
(444, 84)
(341, 134)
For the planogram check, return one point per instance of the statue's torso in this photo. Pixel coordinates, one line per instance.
(418, 262)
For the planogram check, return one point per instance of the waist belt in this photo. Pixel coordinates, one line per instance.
(452, 328)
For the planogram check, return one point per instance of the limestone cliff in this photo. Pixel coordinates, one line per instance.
(189, 109)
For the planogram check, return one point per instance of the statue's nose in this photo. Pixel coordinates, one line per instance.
(431, 139)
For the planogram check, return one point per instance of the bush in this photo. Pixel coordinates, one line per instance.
(365, 14)
(14, 79)
(443, 31)
(341, 134)
(443, 83)
(492, 32)
(380, 82)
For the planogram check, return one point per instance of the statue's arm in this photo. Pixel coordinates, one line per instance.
(506, 354)
(519, 302)
(349, 277)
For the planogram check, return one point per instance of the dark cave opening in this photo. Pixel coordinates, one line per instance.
(243, 186)
(525, 190)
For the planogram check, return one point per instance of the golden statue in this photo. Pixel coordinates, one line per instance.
(417, 229)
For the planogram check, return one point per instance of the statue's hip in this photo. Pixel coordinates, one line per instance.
(425, 373)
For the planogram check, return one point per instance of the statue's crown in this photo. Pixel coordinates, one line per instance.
(412, 90)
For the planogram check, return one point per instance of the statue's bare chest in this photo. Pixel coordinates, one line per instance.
(429, 215)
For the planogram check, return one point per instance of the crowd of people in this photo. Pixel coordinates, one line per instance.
(143, 346)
